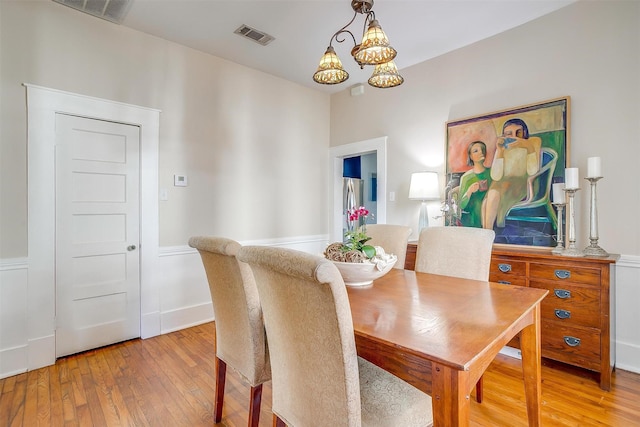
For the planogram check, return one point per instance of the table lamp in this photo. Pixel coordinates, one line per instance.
(424, 186)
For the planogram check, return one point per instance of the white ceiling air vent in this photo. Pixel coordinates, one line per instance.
(111, 10)
(255, 35)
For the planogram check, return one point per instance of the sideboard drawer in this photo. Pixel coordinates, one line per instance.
(574, 345)
(507, 279)
(508, 266)
(570, 304)
(565, 273)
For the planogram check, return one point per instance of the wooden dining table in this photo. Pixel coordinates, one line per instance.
(440, 333)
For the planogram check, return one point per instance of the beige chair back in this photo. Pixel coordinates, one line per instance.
(240, 334)
(463, 252)
(311, 340)
(392, 238)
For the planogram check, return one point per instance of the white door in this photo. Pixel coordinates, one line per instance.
(97, 233)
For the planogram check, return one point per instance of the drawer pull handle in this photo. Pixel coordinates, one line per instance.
(572, 341)
(562, 314)
(561, 293)
(563, 274)
(504, 282)
(505, 268)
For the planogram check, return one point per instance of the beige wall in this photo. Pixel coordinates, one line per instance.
(248, 142)
(589, 51)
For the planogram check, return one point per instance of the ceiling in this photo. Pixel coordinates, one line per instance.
(418, 30)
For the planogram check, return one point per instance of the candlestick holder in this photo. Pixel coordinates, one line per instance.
(571, 249)
(593, 249)
(559, 249)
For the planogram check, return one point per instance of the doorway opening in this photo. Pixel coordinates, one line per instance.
(376, 147)
(359, 188)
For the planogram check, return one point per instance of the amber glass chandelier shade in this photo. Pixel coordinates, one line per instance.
(375, 48)
(330, 71)
(386, 75)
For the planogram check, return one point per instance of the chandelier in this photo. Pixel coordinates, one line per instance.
(374, 49)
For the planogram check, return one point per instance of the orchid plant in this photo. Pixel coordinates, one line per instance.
(356, 237)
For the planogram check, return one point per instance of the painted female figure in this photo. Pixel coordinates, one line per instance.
(474, 184)
(517, 157)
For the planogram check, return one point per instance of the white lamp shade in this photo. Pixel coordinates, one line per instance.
(424, 186)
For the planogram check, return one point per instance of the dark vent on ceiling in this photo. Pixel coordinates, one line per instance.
(254, 35)
(111, 10)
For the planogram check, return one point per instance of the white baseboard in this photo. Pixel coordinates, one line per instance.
(186, 317)
(150, 325)
(12, 361)
(511, 352)
(42, 352)
(628, 357)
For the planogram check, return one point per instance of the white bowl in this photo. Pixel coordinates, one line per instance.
(362, 273)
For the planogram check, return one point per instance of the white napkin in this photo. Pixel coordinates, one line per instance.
(382, 259)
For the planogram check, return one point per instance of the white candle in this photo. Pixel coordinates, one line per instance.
(594, 167)
(558, 193)
(571, 178)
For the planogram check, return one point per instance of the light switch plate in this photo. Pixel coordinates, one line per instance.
(180, 180)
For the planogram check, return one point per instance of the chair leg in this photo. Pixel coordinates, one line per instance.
(254, 410)
(221, 374)
(479, 391)
(277, 422)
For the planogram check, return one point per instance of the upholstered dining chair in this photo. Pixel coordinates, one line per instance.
(463, 252)
(240, 335)
(392, 238)
(318, 378)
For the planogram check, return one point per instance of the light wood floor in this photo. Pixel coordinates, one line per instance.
(168, 381)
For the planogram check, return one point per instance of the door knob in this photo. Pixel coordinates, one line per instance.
(131, 248)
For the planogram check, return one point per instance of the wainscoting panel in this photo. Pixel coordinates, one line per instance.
(627, 334)
(184, 301)
(184, 292)
(13, 317)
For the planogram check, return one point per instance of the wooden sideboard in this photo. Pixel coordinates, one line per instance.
(578, 314)
(410, 259)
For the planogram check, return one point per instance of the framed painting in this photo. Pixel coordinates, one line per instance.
(500, 167)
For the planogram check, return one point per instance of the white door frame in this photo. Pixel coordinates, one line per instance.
(336, 156)
(42, 106)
